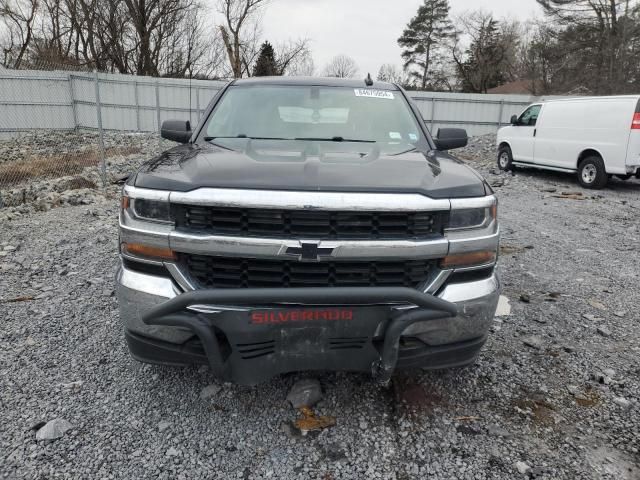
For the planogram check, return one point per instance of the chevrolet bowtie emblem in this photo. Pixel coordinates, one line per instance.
(310, 252)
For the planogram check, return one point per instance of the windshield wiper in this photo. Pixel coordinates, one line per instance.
(269, 138)
(209, 139)
(333, 139)
(242, 135)
(403, 152)
(304, 139)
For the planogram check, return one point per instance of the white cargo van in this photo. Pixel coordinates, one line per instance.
(595, 137)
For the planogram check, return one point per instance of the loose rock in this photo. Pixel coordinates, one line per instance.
(53, 430)
(522, 468)
(305, 393)
(210, 391)
(622, 402)
(504, 307)
(533, 342)
(596, 304)
(172, 452)
(164, 425)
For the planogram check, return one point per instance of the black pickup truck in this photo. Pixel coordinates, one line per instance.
(308, 224)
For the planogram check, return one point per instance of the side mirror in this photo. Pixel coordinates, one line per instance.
(450, 138)
(514, 119)
(176, 130)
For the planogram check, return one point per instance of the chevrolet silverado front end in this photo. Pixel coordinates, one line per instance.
(326, 231)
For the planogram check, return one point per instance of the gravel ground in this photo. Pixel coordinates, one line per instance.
(46, 169)
(51, 143)
(555, 393)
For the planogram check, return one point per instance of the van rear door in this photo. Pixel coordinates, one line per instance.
(633, 149)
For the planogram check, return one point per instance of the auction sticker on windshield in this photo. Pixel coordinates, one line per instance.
(368, 92)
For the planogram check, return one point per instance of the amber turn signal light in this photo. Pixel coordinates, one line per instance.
(468, 259)
(124, 202)
(141, 250)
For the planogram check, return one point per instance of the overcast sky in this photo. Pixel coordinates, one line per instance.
(366, 30)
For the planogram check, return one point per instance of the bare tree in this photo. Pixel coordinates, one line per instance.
(301, 66)
(489, 59)
(537, 57)
(190, 52)
(53, 42)
(144, 37)
(19, 17)
(153, 24)
(105, 38)
(242, 37)
(604, 36)
(87, 33)
(241, 46)
(341, 66)
(390, 73)
(293, 56)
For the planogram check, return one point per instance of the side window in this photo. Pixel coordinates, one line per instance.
(530, 116)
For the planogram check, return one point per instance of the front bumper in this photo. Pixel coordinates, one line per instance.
(395, 328)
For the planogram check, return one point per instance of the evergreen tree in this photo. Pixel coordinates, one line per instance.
(485, 58)
(424, 38)
(266, 64)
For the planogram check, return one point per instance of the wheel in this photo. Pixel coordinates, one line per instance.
(591, 173)
(624, 177)
(505, 159)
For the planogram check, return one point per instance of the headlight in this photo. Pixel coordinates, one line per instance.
(467, 218)
(149, 205)
(155, 210)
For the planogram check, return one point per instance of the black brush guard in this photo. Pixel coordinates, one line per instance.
(175, 313)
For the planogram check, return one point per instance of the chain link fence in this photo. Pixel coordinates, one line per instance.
(63, 131)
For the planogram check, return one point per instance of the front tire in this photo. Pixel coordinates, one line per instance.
(591, 173)
(505, 159)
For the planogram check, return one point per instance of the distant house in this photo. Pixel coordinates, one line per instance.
(517, 87)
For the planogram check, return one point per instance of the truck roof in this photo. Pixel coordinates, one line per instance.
(581, 99)
(315, 81)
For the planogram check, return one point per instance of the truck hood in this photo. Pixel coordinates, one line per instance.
(316, 166)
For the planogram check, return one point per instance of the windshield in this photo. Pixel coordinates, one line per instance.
(331, 114)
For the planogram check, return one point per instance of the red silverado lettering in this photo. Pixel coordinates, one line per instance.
(275, 317)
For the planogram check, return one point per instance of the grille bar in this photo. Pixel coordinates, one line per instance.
(321, 225)
(231, 272)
